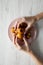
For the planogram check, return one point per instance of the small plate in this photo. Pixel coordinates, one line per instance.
(13, 24)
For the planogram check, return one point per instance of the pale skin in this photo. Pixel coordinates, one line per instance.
(27, 49)
(32, 55)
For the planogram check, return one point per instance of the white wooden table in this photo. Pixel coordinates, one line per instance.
(9, 10)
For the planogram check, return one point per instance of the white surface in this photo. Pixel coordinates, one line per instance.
(9, 10)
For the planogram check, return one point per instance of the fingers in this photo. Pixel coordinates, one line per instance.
(20, 21)
(26, 44)
(15, 42)
(30, 24)
(18, 46)
(25, 47)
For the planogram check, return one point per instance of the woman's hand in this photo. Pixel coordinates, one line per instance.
(27, 49)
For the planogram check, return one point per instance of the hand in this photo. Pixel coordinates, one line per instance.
(26, 47)
(27, 50)
(32, 19)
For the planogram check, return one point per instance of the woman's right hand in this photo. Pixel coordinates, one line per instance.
(27, 49)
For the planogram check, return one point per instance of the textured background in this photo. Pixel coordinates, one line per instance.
(9, 10)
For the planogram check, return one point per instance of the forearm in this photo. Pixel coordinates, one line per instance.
(36, 60)
(36, 17)
(39, 16)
